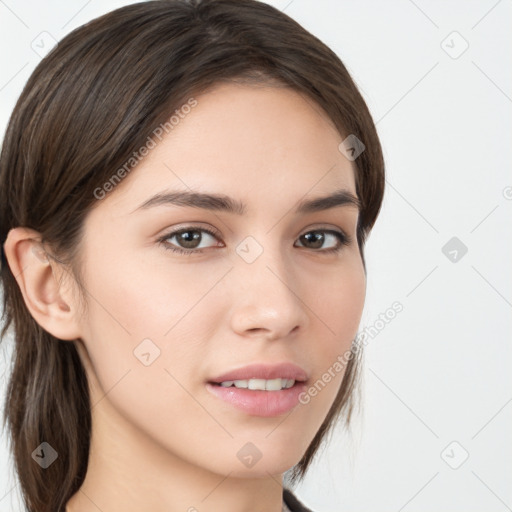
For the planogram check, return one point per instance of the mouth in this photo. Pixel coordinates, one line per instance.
(259, 397)
(258, 384)
(254, 376)
(261, 390)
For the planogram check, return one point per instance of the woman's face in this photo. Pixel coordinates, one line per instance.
(265, 288)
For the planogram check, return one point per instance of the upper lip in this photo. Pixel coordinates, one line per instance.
(264, 371)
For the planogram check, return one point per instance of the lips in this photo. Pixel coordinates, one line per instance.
(260, 402)
(264, 371)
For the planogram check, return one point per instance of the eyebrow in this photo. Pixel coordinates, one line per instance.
(222, 202)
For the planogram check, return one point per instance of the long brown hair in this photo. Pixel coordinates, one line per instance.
(86, 108)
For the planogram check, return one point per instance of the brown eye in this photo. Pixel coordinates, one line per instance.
(187, 240)
(317, 238)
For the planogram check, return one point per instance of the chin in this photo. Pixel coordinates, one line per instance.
(262, 464)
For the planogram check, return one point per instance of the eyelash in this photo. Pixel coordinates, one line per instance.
(343, 240)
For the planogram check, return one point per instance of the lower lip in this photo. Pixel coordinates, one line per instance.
(259, 402)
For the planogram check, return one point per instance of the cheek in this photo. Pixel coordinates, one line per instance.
(338, 304)
(341, 305)
(152, 317)
(339, 308)
(148, 299)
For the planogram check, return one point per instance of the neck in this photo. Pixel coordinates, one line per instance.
(128, 471)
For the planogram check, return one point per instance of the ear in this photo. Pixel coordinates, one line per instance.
(39, 277)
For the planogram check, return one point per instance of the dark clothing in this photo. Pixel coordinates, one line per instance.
(293, 504)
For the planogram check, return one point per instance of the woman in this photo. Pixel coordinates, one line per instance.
(186, 191)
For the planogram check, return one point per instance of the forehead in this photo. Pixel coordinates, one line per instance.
(253, 142)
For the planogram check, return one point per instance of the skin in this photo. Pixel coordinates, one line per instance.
(161, 441)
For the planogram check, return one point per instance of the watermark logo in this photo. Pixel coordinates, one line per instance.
(454, 45)
(455, 455)
(249, 455)
(45, 455)
(249, 249)
(370, 331)
(146, 352)
(43, 43)
(361, 340)
(454, 249)
(351, 147)
(158, 133)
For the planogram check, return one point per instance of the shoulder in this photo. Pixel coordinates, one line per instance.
(293, 503)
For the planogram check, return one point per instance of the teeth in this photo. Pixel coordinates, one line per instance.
(260, 384)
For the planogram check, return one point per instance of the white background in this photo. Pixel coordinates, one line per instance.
(437, 376)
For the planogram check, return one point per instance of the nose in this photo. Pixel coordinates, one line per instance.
(267, 298)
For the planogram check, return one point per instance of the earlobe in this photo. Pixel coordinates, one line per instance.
(39, 279)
